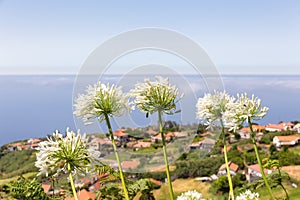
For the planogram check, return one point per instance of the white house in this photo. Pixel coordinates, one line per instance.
(233, 168)
(253, 172)
(287, 140)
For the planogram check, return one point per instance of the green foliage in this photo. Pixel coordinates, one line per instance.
(194, 168)
(236, 157)
(286, 157)
(251, 159)
(111, 191)
(143, 186)
(27, 189)
(17, 163)
(220, 185)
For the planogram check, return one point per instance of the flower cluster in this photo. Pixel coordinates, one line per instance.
(101, 100)
(248, 195)
(228, 110)
(216, 108)
(249, 108)
(153, 96)
(68, 154)
(190, 195)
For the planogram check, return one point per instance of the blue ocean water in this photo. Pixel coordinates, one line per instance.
(36, 105)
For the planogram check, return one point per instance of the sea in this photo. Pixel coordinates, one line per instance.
(37, 105)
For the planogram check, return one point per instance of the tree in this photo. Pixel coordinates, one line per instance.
(27, 189)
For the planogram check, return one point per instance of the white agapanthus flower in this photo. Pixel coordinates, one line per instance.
(101, 99)
(190, 195)
(158, 95)
(249, 108)
(217, 108)
(248, 195)
(59, 154)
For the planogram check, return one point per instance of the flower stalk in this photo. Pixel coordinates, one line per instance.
(161, 97)
(117, 156)
(218, 108)
(72, 182)
(165, 155)
(226, 163)
(259, 160)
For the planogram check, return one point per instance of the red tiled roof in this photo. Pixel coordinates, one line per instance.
(155, 181)
(151, 132)
(232, 166)
(275, 126)
(130, 164)
(83, 195)
(46, 188)
(256, 168)
(254, 127)
(207, 133)
(120, 133)
(227, 149)
(142, 145)
(15, 144)
(288, 138)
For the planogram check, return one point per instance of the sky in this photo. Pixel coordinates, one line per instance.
(240, 37)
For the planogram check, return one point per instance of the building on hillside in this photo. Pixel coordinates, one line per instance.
(233, 168)
(33, 141)
(207, 144)
(141, 144)
(83, 195)
(194, 146)
(287, 140)
(245, 131)
(128, 165)
(297, 128)
(284, 126)
(121, 136)
(253, 173)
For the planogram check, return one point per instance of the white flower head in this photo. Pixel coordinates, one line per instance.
(217, 108)
(248, 195)
(158, 95)
(101, 99)
(190, 195)
(249, 108)
(55, 154)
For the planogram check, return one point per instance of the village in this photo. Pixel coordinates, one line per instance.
(147, 140)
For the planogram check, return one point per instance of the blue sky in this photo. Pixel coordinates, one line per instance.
(253, 37)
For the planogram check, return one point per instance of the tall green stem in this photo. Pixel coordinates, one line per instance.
(72, 182)
(165, 154)
(226, 163)
(286, 193)
(117, 156)
(259, 160)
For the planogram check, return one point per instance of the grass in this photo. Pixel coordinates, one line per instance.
(293, 171)
(27, 175)
(183, 185)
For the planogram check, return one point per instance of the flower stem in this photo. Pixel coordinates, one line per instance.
(117, 156)
(72, 182)
(227, 164)
(259, 161)
(165, 155)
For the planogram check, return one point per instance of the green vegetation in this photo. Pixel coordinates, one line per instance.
(17, 163)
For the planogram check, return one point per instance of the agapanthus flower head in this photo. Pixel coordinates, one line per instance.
(57, 152)
(216, 108)
(190, 195)
(249, 108)
(158, 95)
(248, 195)
(101, 99)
